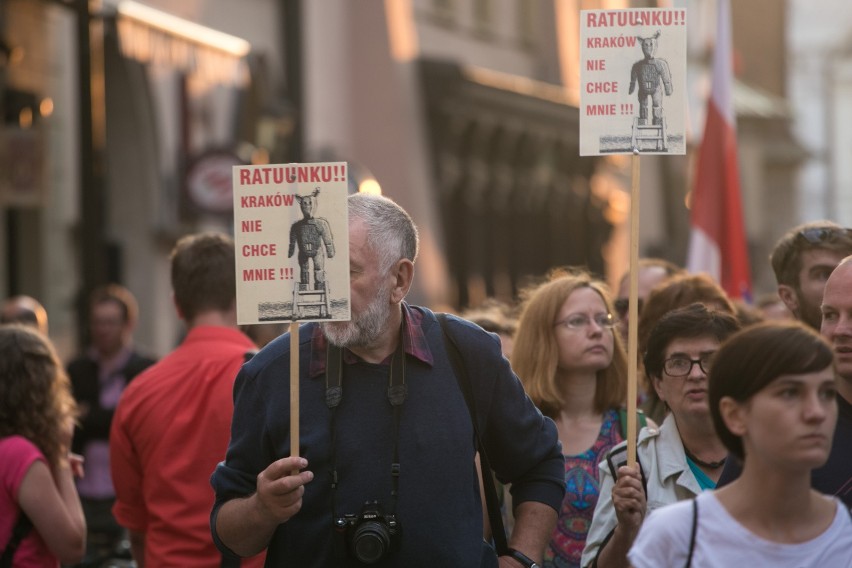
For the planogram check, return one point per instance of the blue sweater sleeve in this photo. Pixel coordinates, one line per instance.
(522, 444)
(251, 448)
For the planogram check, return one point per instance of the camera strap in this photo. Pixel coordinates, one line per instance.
(397, 391)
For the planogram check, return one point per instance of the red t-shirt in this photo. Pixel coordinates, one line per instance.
(171, 428)
(17, 455)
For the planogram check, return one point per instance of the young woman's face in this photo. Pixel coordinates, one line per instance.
(790, 422)
(584, 344)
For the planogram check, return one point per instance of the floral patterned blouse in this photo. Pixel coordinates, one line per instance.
(582, 487)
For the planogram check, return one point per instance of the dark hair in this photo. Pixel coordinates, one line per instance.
(786, 256)
(754, 357)
(692, 321)
(119, 295)
(35, 393)
(203, 268)
(493, 315)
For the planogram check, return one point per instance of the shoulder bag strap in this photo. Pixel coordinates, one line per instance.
(498, 531)
(19, 532)
(694, 532)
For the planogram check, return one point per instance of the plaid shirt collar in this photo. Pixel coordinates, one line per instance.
(413, 342)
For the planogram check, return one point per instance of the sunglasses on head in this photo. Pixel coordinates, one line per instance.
(816, 235)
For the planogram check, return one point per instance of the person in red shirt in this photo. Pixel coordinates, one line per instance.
(172, 424)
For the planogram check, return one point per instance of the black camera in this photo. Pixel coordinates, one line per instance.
(370, 535)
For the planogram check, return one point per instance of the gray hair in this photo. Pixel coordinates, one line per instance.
(391, 232)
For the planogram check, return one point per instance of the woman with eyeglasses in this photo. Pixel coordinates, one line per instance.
(573, 366)
(677, 292)
(773, 403)
(681, 458)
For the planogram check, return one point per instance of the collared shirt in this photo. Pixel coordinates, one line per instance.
(413, 342)
(171, 428)
(438, 502)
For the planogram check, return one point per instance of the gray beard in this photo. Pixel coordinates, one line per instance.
(364, 328)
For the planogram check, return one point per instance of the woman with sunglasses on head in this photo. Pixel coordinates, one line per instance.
(680, 459)
(772, 399)
(37, 471)
(573, 366)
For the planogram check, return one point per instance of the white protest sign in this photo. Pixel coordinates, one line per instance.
(291, 230)
(633, 81)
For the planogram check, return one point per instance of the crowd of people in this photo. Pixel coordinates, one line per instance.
(409, 419)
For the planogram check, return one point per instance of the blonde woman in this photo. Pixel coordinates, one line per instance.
(573, 366)
(36, 469)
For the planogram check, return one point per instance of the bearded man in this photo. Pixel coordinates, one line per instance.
(386, 473)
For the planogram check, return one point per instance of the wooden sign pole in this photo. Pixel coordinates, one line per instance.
(294, 388)
(633, 310)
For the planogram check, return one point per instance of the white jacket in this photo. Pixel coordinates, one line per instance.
(668, 477)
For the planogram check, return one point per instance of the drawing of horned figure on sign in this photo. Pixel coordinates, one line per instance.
(653, 76)
(310, 234)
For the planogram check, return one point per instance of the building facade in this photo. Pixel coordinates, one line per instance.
(464, 111)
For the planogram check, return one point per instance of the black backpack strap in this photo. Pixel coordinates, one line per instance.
(617, 457)
(694, 532)
(19, 532)
(498, 531)
(614, 459)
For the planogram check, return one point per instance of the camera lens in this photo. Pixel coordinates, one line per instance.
(370, 542)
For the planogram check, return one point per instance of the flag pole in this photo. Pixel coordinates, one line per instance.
(294, 388)
(633, 310)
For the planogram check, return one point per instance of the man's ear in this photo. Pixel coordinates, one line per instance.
(403, 274)
(789, 297)
(733, 415)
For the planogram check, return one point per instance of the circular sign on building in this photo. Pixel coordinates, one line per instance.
(209, 180)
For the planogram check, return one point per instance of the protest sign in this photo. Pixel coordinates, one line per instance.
(633, 81)
(291, 231)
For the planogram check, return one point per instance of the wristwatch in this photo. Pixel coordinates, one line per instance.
(525, 560)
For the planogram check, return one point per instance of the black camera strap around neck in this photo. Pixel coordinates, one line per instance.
(397, 391)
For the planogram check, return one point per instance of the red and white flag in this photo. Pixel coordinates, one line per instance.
(717, 243)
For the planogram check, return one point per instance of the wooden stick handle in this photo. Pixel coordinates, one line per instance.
(294, 388)
(633, 310)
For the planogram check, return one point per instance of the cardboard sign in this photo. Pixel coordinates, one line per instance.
(633, 81)
(291, 230)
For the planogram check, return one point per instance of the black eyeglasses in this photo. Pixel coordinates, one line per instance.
(622, 305)
(682, 366)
